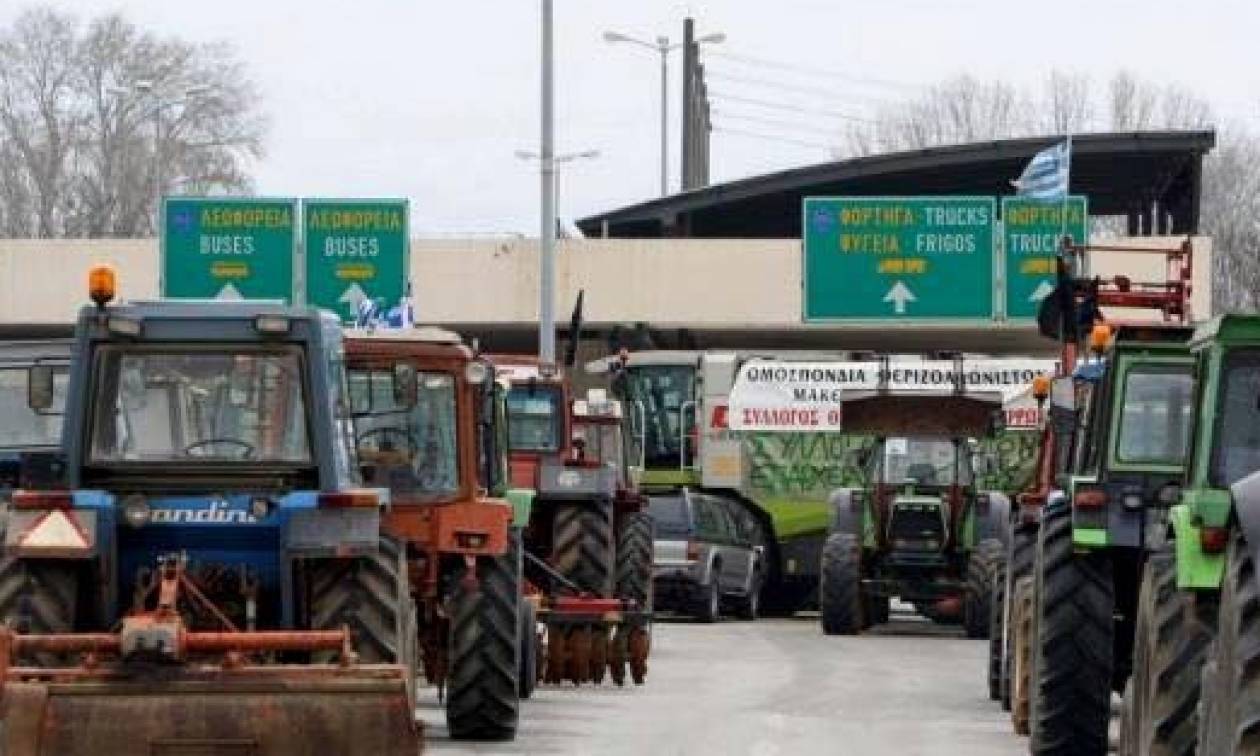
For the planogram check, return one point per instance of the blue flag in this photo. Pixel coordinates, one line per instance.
(1047, 174)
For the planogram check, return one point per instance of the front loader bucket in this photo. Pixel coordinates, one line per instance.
(260, 711)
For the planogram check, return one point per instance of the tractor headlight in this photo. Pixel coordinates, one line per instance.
(475, 373)
(1132, 501)
(136, 511)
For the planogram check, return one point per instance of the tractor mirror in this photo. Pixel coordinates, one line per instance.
(404, 384)
(39, 387)
(1063, 393)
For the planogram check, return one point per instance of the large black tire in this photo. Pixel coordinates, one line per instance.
(982, 565)
(39, 597)
(997, 598)
(582, 546)
(748, 606)
(527, 667)
(1230, 709)
(1020, 554)
(483, 689)
(1022, 635)
(707, 607)
(370, 595)
(1170, 647)
(840, 590)
(1073, 643)
(634, 559)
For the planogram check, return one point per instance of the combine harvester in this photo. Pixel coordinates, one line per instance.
(588, 541)
(186, 591)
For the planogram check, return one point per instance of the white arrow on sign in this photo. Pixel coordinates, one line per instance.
(1043, 290)
(899, 294)
(354, 296)
(229, 293)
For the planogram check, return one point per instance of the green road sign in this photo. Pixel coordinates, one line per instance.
(228, 248)
(355, 249)
(898, 258)
(1031, 234)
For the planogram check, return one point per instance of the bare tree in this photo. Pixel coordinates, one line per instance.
(1067, 106)
(1231, 216)
(104, 119)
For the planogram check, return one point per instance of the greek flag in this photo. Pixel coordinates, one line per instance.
(1046, 176)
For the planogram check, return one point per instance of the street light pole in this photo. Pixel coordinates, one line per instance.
(664, 48)
(547, 239)
(662, 44)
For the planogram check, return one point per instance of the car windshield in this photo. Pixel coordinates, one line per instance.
(534, 418)
(22, 427)
(1156, 415)
(923, 462)
(407, 448)
(203, 406)
(669, 515)
(1237, 452)
(656, 397)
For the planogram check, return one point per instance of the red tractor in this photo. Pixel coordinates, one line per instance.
(588, 543)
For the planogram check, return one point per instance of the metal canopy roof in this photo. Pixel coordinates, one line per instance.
(1123, 174)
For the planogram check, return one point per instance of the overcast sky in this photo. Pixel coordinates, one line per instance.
(429, 100)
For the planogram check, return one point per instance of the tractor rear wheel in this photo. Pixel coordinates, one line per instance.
(1019, 561)
(39, 597)
(370, 595)
(583, 546)
(1167, 662)
(840, 590)
(1073, 647)
(634, 559)
(1230, 708)
(982, 565)
(483, 688)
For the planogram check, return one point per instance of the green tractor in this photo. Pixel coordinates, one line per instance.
(917, 528)
(1132, 417)
(1196, 673)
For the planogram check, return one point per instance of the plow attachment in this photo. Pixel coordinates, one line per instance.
(232, 708)
(590, 637)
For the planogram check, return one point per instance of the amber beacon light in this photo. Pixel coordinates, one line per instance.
(102, 284)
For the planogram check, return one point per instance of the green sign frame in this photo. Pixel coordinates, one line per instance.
(355, 249)
(885, 260)
(1032, 233)
(228, 247)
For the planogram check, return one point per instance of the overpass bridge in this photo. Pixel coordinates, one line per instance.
(662, 293)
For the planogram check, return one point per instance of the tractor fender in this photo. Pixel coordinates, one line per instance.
(1246, 495)
(846, 511)
(1196, 569)
(992, 522)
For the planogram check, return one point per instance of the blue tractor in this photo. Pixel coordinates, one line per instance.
(210, 576)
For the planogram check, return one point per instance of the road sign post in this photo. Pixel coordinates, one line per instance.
(228, 248)
(898, 258)
(1032, 231)
(355, 250)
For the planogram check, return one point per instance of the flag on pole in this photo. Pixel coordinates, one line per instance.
(1046, 175)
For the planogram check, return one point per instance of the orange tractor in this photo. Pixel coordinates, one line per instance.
(588, 541)
(428, 426)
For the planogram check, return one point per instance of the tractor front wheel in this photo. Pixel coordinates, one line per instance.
(840, 591)
(1230, 709)
(483, 689)
(1073, 643)
(982, 566)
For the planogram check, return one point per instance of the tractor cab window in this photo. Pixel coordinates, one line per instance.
(21, 426)
(1237, 449)
(660, 402)
(535, 418)
(600, 442)
(924, 462)
(1155, 415)
(199, 406)
(406, 435)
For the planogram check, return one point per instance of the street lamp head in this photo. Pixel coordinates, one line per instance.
(526, 155)
(197, 91)
(714, 39)
(589, 154)
(143, 86)
(612, 36)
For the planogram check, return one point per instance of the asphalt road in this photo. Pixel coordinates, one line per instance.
(772, 687)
